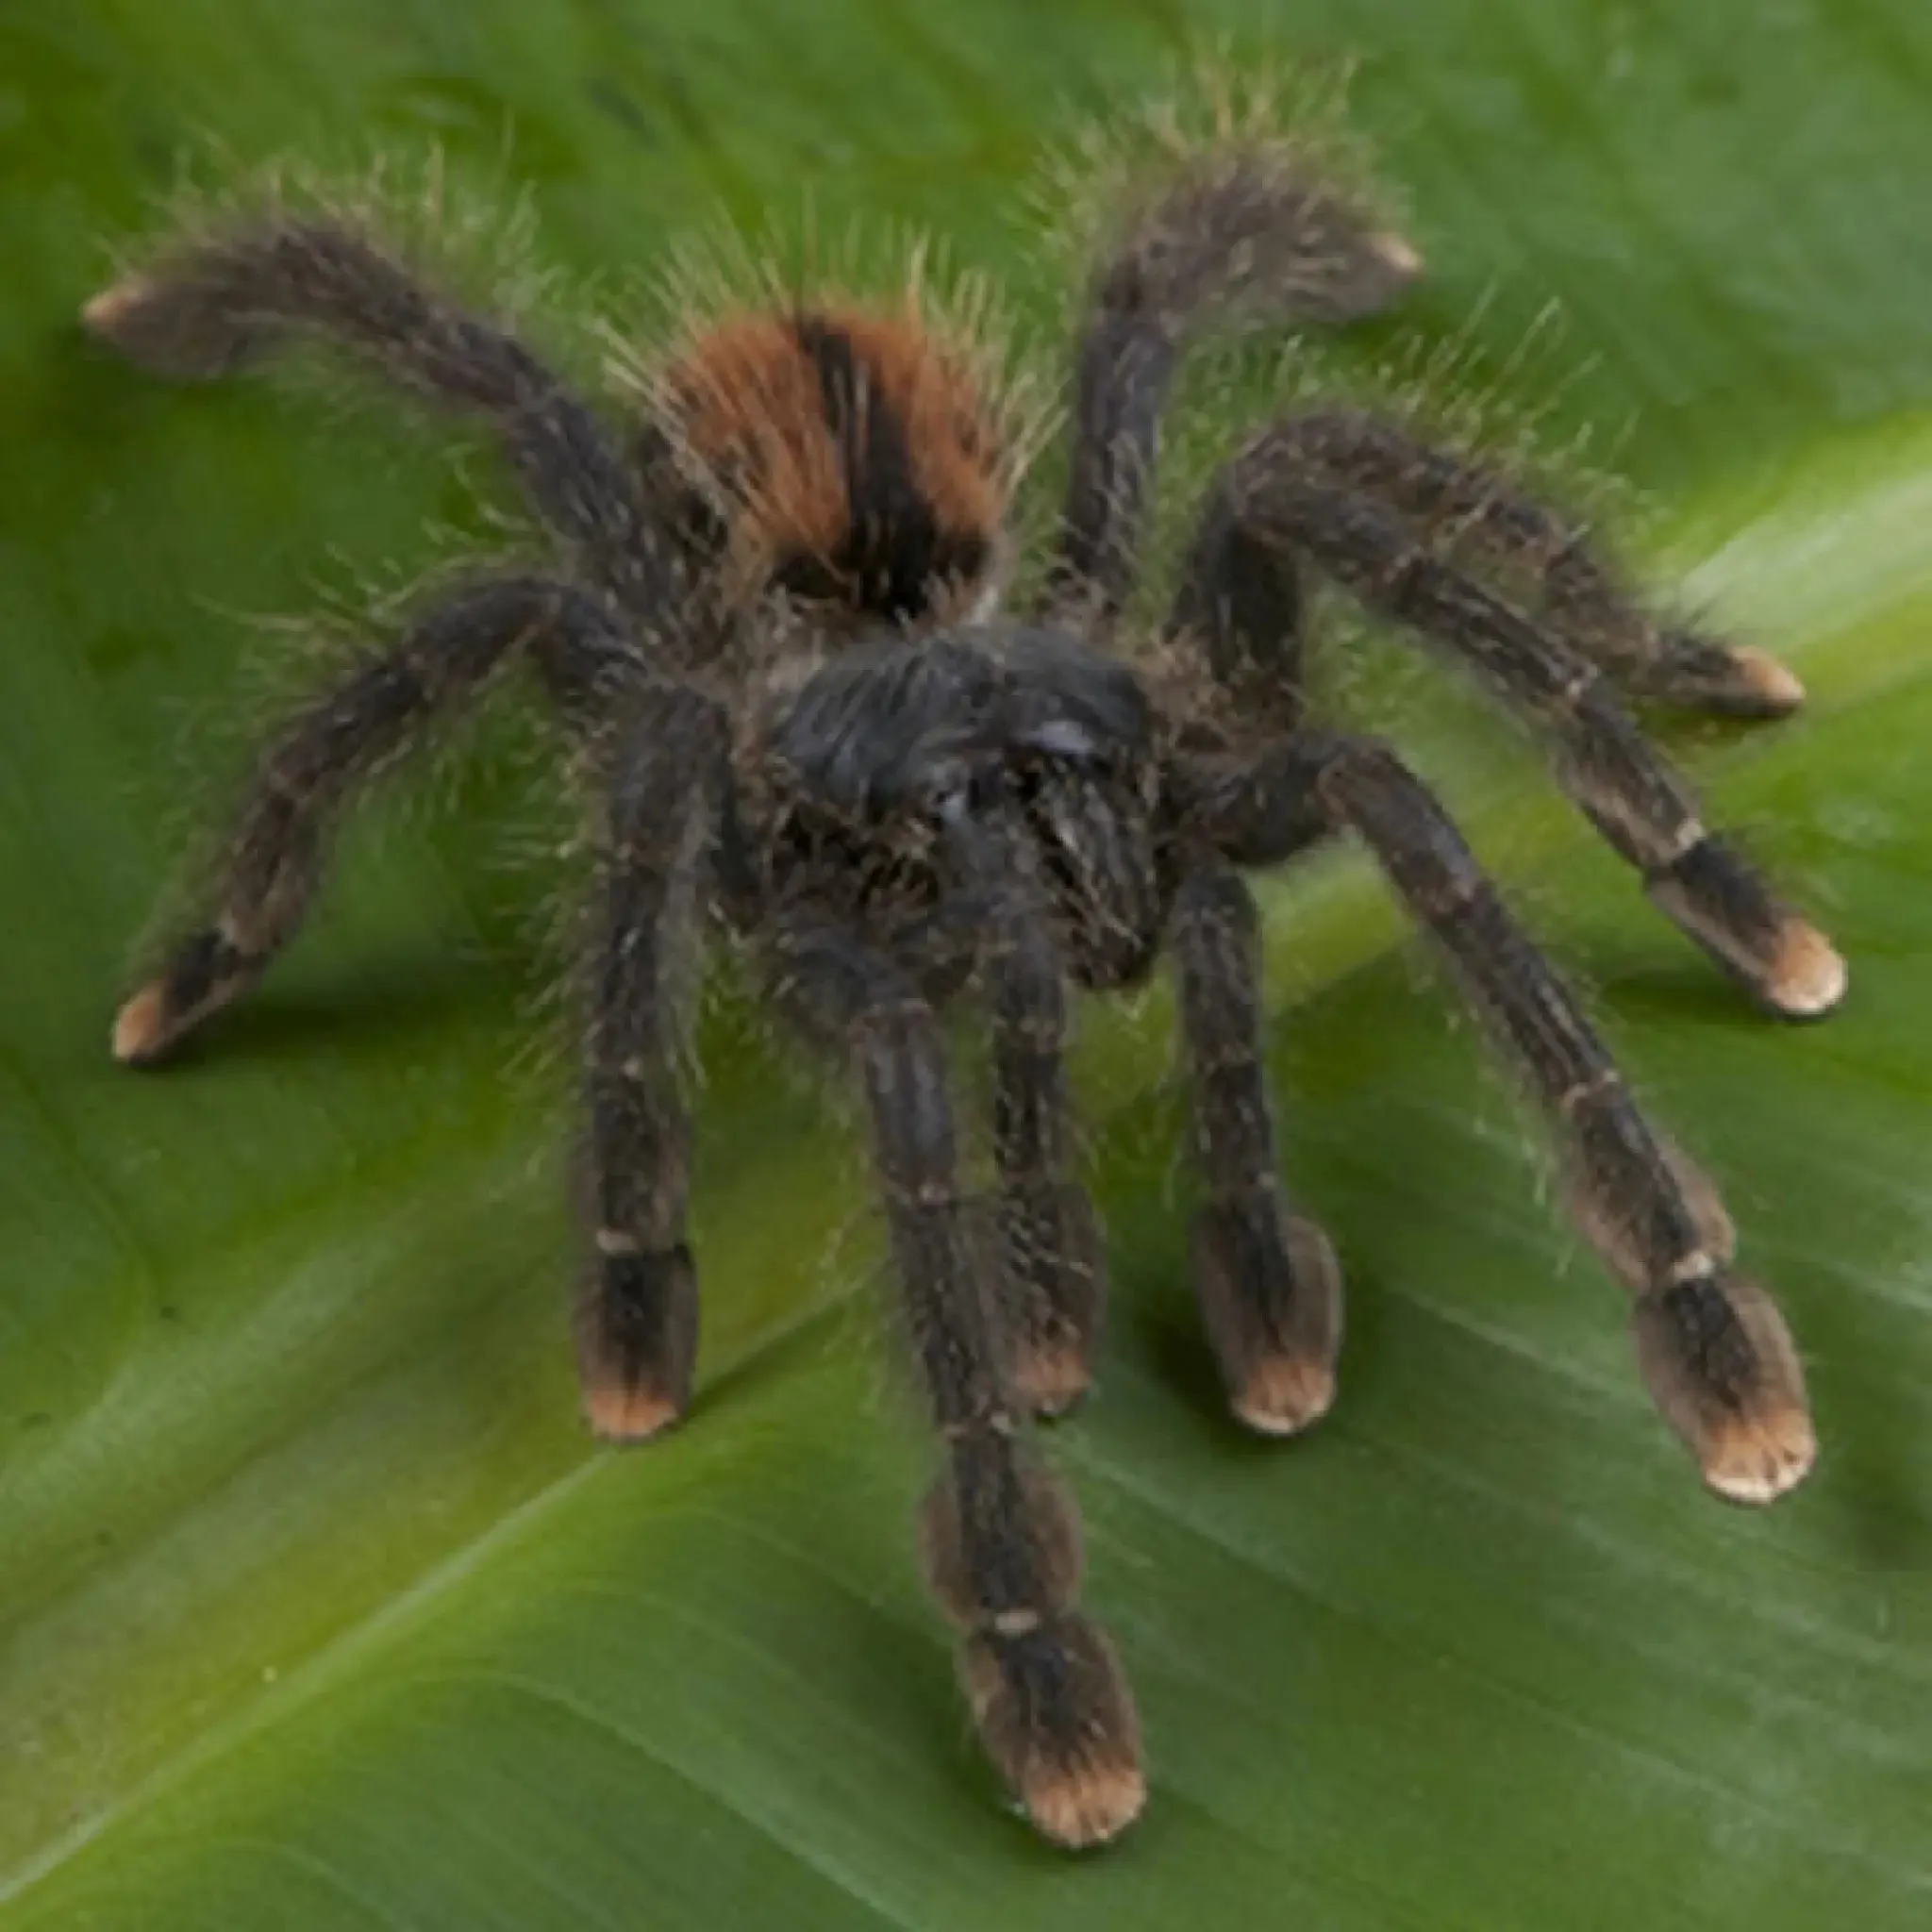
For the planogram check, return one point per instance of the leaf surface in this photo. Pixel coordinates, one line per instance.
(319, 1611)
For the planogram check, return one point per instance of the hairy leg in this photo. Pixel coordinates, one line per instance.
(1483, 512)
(1240, 604)
(658, 752)
(209, 304)
(1050, 1237)
(1268, 1282)
(661, 763)
(1711, 1344)
(303, 781)
(1000, 1534)
(1243, 230)
(1291, 491)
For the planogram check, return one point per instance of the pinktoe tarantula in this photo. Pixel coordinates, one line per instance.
(769, 624)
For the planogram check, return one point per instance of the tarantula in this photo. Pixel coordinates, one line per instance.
(770, 628)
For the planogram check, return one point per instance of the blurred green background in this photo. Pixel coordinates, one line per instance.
(318, 1610)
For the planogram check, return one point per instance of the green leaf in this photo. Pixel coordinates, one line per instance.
(318, 1608)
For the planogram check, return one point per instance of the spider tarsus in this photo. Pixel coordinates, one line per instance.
(1270, 1289)
(1285, 1394)
(1808, 974)
(1720, 1364)
(636, 1341)
(1717, 680)
(206, 972)
(1774, 685)
(170, 330)
(143, 1032)
(1001, 1544)
(1058, 1723)
(1756, 1459)
(1719, 901)
(1086, 1806)
(104, 312)
(618, 1414)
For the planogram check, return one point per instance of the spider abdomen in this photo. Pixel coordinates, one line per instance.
(851, 457)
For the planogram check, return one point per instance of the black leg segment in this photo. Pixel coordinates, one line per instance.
(1295, 489)
(211, 304)
(665, 778)
(1050, 1236)
(272, 860)
(1000, 1534)
(1268, 1284)
(1244, 231)
(1712, 1346)
(1474, 511)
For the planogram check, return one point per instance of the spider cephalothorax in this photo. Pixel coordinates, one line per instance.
(768, 624)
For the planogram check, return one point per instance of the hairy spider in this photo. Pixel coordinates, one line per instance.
(770, 627)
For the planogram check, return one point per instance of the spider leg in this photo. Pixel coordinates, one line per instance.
(1239, 602)
(1000, 1534)
(1266, 1279)
(659, 752)
(1241, 230)
(1582, 596)
(663, 762)
(303, 781)
(1050, 1237)
(209, 304)
(1291, 491)
(1712, 1346)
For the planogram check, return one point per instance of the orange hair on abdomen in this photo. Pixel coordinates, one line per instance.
(855, 458)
